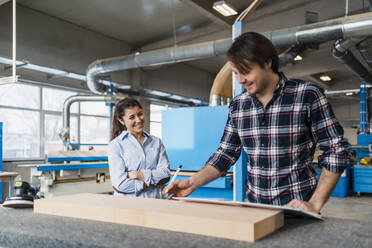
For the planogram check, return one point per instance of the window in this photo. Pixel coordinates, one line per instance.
(20, 95)
(94, 129)
(53, 99)
(21, 133)
(155, 119)
(52, 126)
(95, 108)
(32, 119)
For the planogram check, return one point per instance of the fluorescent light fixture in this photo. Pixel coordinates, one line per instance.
(297, 58)
(349, 93)
(325, 78)
(224, 9)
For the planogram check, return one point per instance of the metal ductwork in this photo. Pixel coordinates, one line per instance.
(365, 49)
(64, 134)
(288, 56)
(152, 58)
(342, 53)
(341, 28)
(158, 96)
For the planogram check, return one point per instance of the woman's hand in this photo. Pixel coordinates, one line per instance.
(136, 175)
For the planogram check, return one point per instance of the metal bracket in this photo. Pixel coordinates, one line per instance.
(49, 76)
(18, 66)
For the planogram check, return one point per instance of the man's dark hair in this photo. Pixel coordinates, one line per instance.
(252, 47)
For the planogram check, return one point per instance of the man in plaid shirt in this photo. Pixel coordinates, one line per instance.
(278, 122)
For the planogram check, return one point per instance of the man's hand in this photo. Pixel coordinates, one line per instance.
(136, 175)
(180, 188)
(185, 187)
(303, 205)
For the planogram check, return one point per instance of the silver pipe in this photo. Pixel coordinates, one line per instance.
(214, 100)
(223, 100)
(166, 97)
(341, 52)
(289, 55)
(365, 49)
(340, 28)
(341, 92)
(64, 133)
(152, 58)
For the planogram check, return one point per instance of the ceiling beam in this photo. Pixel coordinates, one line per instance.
(205, 7)
(3, 1)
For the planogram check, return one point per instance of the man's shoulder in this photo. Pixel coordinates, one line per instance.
(302, 86)
(239, 99)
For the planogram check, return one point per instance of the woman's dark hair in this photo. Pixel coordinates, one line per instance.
(252, 47)
(120, 108)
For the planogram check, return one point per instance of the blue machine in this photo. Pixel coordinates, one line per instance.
(191, 136)
(362, 177)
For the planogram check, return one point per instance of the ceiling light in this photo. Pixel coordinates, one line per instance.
(325, 78)
(224, 9)
(349, 94)
(297, 58)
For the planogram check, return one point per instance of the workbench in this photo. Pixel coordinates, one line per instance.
(23, 228)
(9, 177)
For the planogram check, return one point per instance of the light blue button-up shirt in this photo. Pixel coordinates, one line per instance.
(126, 154)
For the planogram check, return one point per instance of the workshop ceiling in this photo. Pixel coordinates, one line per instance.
(147, 24)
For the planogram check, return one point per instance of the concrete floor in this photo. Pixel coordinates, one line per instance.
(351, 207)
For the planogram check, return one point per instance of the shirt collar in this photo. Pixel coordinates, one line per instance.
(281, 84)
(125, 134)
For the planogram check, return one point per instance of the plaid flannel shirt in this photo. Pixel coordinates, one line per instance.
(280, 141)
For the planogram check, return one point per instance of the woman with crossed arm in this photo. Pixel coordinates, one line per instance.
(138, 162)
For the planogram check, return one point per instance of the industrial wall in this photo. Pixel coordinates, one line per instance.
(48, 41)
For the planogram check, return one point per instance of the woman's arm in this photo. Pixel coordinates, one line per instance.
(119, 174)
(161, 173)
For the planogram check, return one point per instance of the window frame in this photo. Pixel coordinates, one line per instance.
(42, 112)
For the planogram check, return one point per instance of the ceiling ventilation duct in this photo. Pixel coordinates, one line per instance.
(365, 49)
(341, 51)
(356, 26)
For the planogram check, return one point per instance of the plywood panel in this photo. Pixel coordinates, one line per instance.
(231, 222)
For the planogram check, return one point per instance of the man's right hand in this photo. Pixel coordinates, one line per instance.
(179, 188)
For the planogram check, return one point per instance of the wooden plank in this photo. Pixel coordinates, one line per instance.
(288, 210)
(230, 222)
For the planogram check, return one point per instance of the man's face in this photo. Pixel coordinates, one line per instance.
(256, 79)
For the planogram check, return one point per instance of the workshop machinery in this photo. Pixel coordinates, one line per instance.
(71, 172)
(24, 196)
(362, 176)
(190, 136)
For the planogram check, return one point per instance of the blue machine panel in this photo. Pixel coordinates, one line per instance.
(71, 167)
(191, 135)
(63, 159)
(363, 140)
(362, 179)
